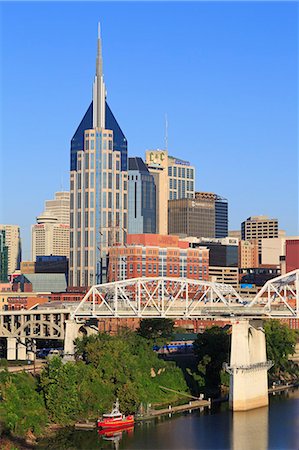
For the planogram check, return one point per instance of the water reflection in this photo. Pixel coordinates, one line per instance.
(250, 429)
(115, 436)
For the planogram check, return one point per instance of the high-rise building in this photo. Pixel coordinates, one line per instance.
(174, 179)
(59, 207)
(204, 216)
(259, 227)
(221, 217)
(13, 243)
(98, 181)
(141, 198)
(3, 258)
(49, 237)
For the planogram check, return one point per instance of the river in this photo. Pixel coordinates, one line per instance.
(273, 428)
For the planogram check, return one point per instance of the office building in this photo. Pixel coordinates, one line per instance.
(141, 198)
(221, 217)
(98, 186)
(152, 255)
(222, 252)
(224, 275)
(259, 227)
(59, 207)
(223, 257)
(248, 254)
(13, 243)
(204, 216)
(174, 179)
(49, 237)
(192, 217)
(3, 258)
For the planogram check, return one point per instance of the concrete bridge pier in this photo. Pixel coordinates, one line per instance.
(73, 330)
(22, 349)
(11, 349)
(248, 366)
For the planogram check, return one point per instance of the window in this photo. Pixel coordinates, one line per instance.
(91, 184)
(92, 160)
(110, 161)
(109, 199)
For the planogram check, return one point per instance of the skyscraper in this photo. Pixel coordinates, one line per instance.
(13, 243)
(174, 179)
(141, 198)
(98, 187)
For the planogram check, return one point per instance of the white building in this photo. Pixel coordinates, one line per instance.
(49, 237)
(59, 207)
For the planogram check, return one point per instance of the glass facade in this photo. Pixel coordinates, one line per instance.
(141, 197)
(221, 218)
(119, 139)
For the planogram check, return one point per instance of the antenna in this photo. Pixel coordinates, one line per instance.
(166, 133)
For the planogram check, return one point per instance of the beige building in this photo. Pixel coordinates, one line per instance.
(248, 254)
(174, 179)
(275, 248)
(59, 207)
(235, 234)
(13, 242)
(259, 227)
(49, 237)
(224, 275)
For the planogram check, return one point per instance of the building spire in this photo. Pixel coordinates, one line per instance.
(99, 90)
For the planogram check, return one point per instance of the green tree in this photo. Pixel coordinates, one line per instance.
(158, 330)
(281, 342)
(59, 383)
(212, 350)
(22, 408)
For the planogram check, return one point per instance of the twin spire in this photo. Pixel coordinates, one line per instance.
(99, 89)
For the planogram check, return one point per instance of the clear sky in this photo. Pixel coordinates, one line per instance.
(225, 74)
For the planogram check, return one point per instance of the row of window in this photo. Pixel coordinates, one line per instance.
(181, 184)
(180, 172)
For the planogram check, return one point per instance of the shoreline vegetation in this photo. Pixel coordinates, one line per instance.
(124, 366)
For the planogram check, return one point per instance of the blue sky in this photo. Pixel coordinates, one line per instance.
(225, 74)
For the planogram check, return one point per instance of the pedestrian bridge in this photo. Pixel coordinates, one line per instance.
(188, 299)
(176, 298)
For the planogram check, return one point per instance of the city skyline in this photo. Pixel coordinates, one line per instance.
(267, 90)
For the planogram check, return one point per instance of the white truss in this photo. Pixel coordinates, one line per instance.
(159, 297)
(279, 296)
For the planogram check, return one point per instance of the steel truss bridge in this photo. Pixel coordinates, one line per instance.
(188, 299)
(163, 297)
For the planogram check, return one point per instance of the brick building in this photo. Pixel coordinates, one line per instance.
(153, 255)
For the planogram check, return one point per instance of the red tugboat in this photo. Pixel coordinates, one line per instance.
(115, 420)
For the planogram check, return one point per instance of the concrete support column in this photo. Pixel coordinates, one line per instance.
(71, 333)
(11, 349)
(22, 350)
(248, 366)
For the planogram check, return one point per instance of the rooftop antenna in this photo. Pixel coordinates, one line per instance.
(166, 133)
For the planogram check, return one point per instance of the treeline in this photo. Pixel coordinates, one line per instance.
(107, 367)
